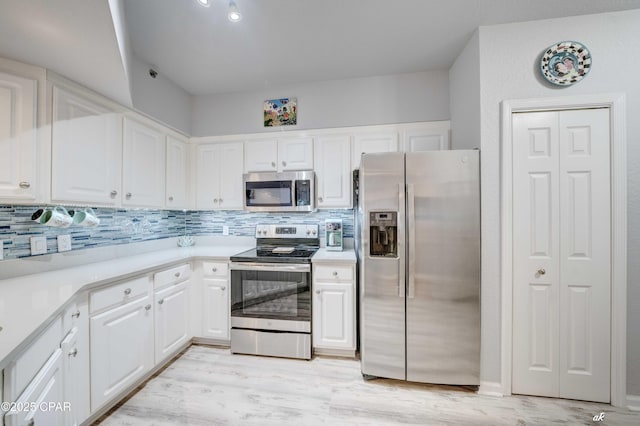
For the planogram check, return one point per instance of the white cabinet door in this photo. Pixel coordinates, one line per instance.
(333, 316)
(86, 160)
(177, 182)
(18, 137)
(427, 137)
(121, 349)
(172, 319)
(295, 154)
(143, 165)
(261, 155)
(333, 171)
(373, 142)
(75, 354)
(230, 178)
(219, 176)
(216, 308)
(46, 388)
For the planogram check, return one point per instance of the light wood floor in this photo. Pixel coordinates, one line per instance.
(210, 386)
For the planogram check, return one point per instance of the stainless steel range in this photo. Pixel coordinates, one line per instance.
(271, 292)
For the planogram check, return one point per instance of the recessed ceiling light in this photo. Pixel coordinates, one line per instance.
(205, 3)
(234, 14)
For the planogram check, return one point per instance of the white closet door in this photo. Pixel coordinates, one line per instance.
(535, 248)
(561, 263)
(585, 253)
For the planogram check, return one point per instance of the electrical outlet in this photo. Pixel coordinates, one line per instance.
(225, 230)
(38, 245)
(64, 243)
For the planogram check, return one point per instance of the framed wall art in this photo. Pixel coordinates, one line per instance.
(280, 112)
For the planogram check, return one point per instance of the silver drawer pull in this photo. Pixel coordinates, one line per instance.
(214, 269)
(170, 198)
(73, 352)
(177, 275)
(76, 314)
(114, 193)
(273, 164)
(31, 422)
(160, 302)
(541, 272)
(335, 273)
(127, 291)
(317, 291)
(284, 163)
(128, 195)
(25, 185)
(148, 307)
(223, 288)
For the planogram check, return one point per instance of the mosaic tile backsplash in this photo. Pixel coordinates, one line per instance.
(120, 226)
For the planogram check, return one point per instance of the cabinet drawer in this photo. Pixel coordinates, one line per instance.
(333, 273)
(29, 362)
(218, 269)
(171, 276)
(118, 293)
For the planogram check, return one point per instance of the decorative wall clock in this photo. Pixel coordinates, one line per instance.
(565, 63)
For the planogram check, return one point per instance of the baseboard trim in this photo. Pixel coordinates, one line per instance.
(491, 389)
(633, 402)
(343, 353)
(211, 342)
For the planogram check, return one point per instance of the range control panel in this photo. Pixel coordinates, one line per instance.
(287, 231)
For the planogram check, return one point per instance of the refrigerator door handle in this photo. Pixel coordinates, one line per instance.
(411, 233)
(401, 236)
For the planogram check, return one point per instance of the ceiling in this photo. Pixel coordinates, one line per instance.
(283, 42)
(277, 43)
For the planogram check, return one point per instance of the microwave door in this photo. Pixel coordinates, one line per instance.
(268, 194)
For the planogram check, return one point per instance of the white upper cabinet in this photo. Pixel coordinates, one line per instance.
(18, 137)
(219, 176)
(333, 171)
(295, 154)
(383, 141)
(86, 150)
(143, 170)
(278, 155)
(177, 182)
(432, 136)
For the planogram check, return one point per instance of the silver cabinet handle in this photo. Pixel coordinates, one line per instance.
(25, 185)
(128, 195)
(215, 200)
(148, 307)
(317, 291)
(73, 352)
(31, 422)
(177, 275)
(170, 198)
(284, 163)
(541, 271)
(273, 164)
(114, 193)
(223, 288)
(127, 291)
(320, 200)
(220, 200)
(214, 269)
(160, 302)
(76, 314)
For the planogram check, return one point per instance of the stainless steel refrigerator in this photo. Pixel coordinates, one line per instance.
(419, 253)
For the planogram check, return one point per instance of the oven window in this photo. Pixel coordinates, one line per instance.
(268, 194)
(270, 294)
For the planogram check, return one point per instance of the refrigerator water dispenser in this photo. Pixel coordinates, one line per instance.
(383, 234)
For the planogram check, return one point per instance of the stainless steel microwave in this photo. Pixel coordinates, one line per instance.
(280, 192)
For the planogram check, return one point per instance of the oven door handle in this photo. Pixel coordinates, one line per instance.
(270, 267)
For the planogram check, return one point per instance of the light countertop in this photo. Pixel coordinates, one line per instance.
(325, 256)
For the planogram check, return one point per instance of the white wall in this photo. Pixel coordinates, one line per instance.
(464, 92)
(509, 57)
(402, 98)
(122, 37)
(160, 97)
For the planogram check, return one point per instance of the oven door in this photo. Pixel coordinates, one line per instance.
(270, 296)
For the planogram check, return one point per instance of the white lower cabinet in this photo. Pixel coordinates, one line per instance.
(334, 309)
(122, 348)
(171, 319)
(44, 398)
(215, 284)
(75, 360)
